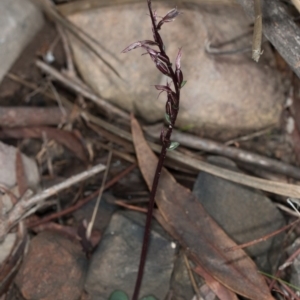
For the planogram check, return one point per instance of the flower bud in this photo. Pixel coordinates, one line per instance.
(179, 77)
(169, 17)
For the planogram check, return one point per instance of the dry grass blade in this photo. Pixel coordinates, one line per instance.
(91, 223)
(197, 231)
(257, 33)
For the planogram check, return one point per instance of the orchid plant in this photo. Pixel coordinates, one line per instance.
(156, 51)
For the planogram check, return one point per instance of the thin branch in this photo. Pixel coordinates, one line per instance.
(20, 209)
(284, 189)
(107, 107)
(264, 238)
(196, 142)
(83, 201)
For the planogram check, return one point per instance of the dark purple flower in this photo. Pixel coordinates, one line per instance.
(163, 58)
(178, 58)
(162, 67)
(169, 110)
(179, 76)
(139, 44)
(132, 46)
(169, 17)
(164, 88)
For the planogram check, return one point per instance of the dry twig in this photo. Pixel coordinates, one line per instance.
(248, 157)
(82, 202)
(107, 107)
(91, 223)
(30, 116)
(284, 189)
(31, 204)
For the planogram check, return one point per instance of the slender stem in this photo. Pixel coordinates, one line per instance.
(151, 203)
(148, 223)
(165, 144)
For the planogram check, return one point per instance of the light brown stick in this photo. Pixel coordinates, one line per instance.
(284, 189)
(238, 154)
(107, 107)
(30, 116)
(25, 204)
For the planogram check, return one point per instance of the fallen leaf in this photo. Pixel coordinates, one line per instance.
(218, 288)
(203, 239)
(65, 138)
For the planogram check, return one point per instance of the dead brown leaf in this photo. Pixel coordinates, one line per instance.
(204, 241)
(219, 289)
(65, 138)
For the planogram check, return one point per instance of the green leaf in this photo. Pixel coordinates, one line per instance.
(149, 298)
(173, 146)
(118, 295)
(183, 83)
(167, 117)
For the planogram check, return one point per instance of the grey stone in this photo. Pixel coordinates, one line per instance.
(181, 286)
(19, 22)
(224, 96)
(114, 264)
(103, 215)
(245, 214)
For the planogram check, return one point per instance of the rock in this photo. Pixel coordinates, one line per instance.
(8, 168)
(104, 212)
(245, 214)
(224, 96)
(19, 22)
(181, 286)
(54, 268)
(114, 264)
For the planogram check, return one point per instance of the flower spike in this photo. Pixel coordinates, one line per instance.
(172, 88)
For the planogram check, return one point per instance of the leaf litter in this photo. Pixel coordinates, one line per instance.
(205, 242)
